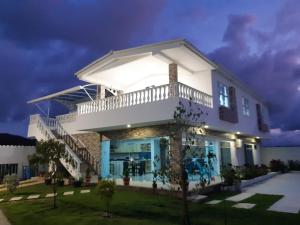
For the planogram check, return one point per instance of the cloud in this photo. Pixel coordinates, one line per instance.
(91, 24)
(287, 138)
(236, 30)
(44, 43)
(273, 73)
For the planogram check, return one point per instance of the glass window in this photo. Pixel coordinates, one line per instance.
(139, 157)
(223, 94)
(197, 162)
(6, 169)
(245, 106)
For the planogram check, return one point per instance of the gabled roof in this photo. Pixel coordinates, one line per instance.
(15, 140)
(158, 48)
(144, 49)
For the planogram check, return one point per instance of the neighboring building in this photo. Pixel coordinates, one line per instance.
(14, 151)
(118, 119)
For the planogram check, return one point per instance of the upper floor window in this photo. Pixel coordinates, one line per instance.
(245, 107)
(223, 94)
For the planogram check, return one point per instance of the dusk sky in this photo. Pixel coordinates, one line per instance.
(43, 43)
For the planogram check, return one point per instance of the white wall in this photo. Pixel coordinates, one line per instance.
(237, 154)
(282, 153)
(152, 79)
(16, 155)
(257, 154)
(198, 80)
(246, 124)
(137, 115)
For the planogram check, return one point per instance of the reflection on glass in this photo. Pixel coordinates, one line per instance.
(201, 163)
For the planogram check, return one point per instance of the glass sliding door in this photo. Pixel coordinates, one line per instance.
(140, 157)
(199, 163)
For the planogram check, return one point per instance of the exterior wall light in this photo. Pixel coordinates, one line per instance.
(238, 132)
(128, 125)
(206, 126)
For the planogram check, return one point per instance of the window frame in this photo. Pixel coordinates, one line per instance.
(223, 94)
(245, 106)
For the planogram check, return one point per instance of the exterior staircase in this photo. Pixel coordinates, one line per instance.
(79, 157)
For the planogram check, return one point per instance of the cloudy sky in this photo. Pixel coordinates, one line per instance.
(42, 44)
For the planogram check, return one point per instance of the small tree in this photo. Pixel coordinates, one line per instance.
(187, 126)
(106, 189)
(11, 182)
(49, 152)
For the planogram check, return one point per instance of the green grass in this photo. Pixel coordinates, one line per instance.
(263, 202)
(131, 207)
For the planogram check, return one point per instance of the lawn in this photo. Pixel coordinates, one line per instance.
(131, 207)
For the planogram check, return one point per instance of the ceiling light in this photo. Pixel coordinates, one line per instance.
(128, 125)
(238, 132)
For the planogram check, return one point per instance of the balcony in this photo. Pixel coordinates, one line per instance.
(145, 96)
(149, 106)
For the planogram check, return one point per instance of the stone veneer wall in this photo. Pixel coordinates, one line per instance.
(91, 141)
(173, 74)
(137, 133)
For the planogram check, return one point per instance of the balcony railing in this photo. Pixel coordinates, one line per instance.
(70, 117)
(155, 94)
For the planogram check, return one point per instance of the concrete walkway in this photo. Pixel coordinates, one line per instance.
(37, 196)
(287, 185)
(3, 219)
(240, 197)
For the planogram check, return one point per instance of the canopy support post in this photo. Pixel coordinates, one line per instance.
(87, 93)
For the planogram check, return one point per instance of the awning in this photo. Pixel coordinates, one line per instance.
(71, 96)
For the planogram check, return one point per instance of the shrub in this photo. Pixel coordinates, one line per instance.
(48, 181)
(106, 189)
(60, 183)
(77, 183)
(245, 172)
(277, 165)
(251, 171)
(229, 175)
(11, 182)
(294, 165)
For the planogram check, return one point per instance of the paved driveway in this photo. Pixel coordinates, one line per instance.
(284, 184)
(3, 219)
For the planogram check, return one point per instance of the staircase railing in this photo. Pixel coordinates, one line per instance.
(82, 152)
(74, 167)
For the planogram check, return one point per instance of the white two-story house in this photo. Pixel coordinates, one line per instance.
(116, 122)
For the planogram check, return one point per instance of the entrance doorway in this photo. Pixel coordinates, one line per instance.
(225, 153)
(248, 154)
